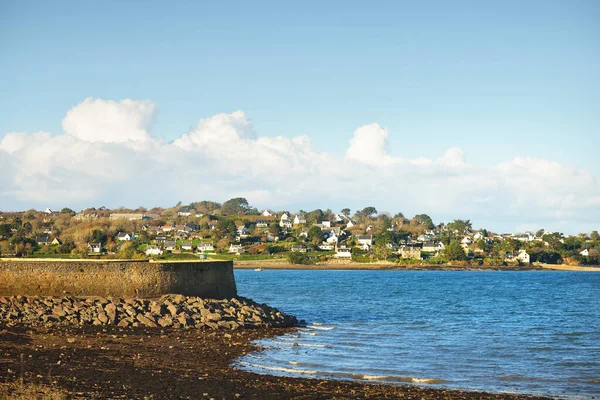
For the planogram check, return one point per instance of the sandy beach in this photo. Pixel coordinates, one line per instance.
(96, 363)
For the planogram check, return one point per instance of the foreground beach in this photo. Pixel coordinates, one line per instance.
(113, 362)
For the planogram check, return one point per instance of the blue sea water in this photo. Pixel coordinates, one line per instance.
(526, 332)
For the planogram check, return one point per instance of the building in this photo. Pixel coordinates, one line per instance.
(206, 246)
(153, 251)
(236, 249)
(170, 245)
(299, 249)
(127, 216)
(343, 252)
(299, 219)
(95, 248)
(184, 212)
(125, 237)
(187, 246)
(42, 240)
(365, 239)
(413, 252)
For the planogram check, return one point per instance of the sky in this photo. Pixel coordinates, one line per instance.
(488, 111)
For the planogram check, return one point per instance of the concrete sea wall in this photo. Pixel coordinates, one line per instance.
(116, 278)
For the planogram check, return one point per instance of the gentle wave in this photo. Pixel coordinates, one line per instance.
(321, 328)
(282, 369)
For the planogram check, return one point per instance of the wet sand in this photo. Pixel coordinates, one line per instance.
(97, 363)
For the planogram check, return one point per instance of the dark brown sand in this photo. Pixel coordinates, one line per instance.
(141, 363)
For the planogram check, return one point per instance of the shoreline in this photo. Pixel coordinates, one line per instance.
(112, 362)
(282, 264)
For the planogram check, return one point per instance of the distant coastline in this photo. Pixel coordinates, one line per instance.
(282, 264)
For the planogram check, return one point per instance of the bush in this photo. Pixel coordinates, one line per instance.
(299, 258)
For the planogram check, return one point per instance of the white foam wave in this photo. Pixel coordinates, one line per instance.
(375, 377)
(321, 328)
(283, 369)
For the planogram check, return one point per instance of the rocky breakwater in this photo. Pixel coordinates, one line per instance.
(169, 311)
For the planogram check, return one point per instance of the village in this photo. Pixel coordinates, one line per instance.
(234, 230)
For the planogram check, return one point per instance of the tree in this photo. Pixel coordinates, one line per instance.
(554, 240)
(274, 230)
(425, 220)
(298, 258)
(455, 252)
(369, 211)
(595, 236)
(314, 216)
(225, 229)
(481, 244)
(5, 231)
(205, 207)
(67, 210)
(399, 215)
(345, 211)
(315, 235)
(540, 233)
(236, 206)
(461, 226)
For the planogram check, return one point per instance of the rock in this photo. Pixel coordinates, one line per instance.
(214, 317)
(173, 309)
(146, 321)
(165, 321)
(103, 318)
(111, 312)
(123, 323)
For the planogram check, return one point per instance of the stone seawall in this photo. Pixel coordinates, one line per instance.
(116, 278)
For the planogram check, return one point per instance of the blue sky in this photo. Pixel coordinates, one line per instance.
(498, 80)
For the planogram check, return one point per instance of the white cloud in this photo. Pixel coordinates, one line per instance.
(369, 146)
(108, 157)
(96, 120)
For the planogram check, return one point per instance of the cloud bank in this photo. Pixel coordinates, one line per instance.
(107, 156)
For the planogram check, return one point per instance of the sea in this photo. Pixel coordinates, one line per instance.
(530, 332)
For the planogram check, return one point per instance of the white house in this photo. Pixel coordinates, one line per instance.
(478, 236)
(326, 247)
(466, 240)
(343, 252)
(326, 224)
(184, 212)
(153, 251)
(236, 249)
(285, 222)
(585, 253)
(365, 247)
(170, 245)
(267, 213)
(95, 247)
(425, 237)
(125, 237)
(333, 237)
(299, 249)
(340, 217)
(433, 247)
(48, 211)
(186, 246)
(206, 246)
(365, 239)
(242, 231)
(523, 256)
(262, 224)
(299, 219)
(350, 224)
